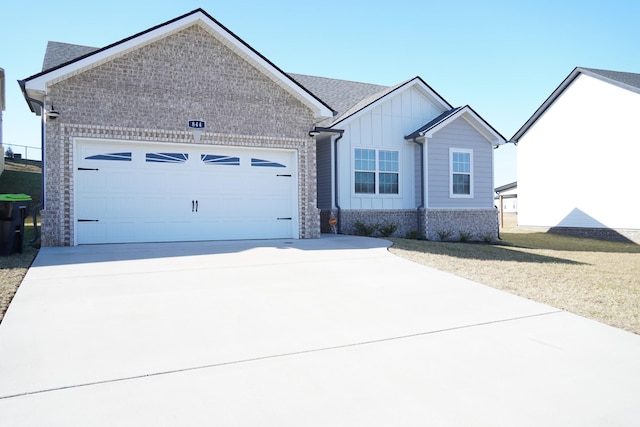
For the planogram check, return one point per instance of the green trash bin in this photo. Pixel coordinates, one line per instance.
(14, 208)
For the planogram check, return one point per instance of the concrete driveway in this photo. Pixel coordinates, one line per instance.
(328, 332)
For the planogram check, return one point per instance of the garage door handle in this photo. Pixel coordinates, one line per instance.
(193, 206)
(196, 206)
(88, 220)
(285, 219)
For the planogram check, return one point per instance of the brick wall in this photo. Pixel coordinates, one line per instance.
(149, 94)
(405, 219)
(480, 224)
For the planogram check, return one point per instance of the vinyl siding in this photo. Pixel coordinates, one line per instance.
(577, 165)
(383, 128)
(459, 134)
(324, 177)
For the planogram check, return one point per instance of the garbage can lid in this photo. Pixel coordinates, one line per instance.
(14, 197)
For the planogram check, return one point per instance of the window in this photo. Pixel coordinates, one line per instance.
(388, 167)
(373, 176)
(365, 171)
(461, 161)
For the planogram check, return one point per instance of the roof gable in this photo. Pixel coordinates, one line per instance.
(467, 113)
(35, 86)
(628, 81)
(375, 99)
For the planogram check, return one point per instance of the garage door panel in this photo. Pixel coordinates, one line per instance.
(151, 195)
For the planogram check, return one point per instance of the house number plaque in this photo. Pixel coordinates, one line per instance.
(197, 124)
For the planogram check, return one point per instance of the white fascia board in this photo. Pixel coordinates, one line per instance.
(39, 84)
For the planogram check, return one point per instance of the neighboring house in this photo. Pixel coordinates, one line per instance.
(185, 132)
(2, 98)
(578, 155)
(506, 198)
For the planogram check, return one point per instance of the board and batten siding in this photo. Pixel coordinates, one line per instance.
(459, 134)
(383, 127)
(577, 164)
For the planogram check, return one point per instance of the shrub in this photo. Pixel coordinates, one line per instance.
(464, 236)
(487, 238)
(444, 235)
(387, 229)
(362, 229)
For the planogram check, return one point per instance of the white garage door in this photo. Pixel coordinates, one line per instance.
(161, 193)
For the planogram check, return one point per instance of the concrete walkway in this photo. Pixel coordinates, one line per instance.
(329, 332)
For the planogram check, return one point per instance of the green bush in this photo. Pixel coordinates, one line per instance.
(444, 235)
(464, 236)
(362, 229)
(387, 229)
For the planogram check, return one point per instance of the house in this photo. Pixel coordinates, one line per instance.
(577, 156)
(184, 132)
(506, 198)
(2, 98)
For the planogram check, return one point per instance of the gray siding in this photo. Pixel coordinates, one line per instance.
(418, 175)
(459, 134)
(323, 159)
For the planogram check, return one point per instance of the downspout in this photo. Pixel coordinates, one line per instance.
(422, 185)
(335, 181)
(40, 206)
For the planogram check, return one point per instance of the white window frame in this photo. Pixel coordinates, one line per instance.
(453, 195)
(376, 173)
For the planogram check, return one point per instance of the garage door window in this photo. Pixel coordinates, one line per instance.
(211, 159)
(118, 157)
(167, 157)
(266, 163)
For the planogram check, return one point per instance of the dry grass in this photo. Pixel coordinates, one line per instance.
(592, 278)
(13, 268)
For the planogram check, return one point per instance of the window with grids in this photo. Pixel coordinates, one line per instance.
(376, 171)
(461, 172)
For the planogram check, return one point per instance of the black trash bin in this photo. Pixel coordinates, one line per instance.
(14, 208)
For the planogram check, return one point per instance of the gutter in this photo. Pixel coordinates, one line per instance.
(40, 206)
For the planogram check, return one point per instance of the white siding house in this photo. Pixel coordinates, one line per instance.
(1, 110)
(578, 156)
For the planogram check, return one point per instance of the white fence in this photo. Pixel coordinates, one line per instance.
(18, 152)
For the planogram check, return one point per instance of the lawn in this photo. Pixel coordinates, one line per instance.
(592, 278)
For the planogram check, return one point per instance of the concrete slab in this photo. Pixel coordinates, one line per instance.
(335, 331)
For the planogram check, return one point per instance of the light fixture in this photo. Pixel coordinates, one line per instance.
(53, 113)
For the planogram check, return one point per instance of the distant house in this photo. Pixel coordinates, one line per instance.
(578, 157)
(2, 98)
(184, 132)
(507, 195)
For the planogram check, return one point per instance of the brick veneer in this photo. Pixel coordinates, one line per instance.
(150, 93)
(480, 224)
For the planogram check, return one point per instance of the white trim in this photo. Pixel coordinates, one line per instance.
(451, 172)
(40, 83)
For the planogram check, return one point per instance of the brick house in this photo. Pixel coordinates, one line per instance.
(184, 132)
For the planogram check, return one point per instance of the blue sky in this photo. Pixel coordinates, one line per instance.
(501, 57)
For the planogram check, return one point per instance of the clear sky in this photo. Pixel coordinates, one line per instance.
(504, 58)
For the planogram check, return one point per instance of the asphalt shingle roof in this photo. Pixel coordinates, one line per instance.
(630, 79)
(58, 53)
